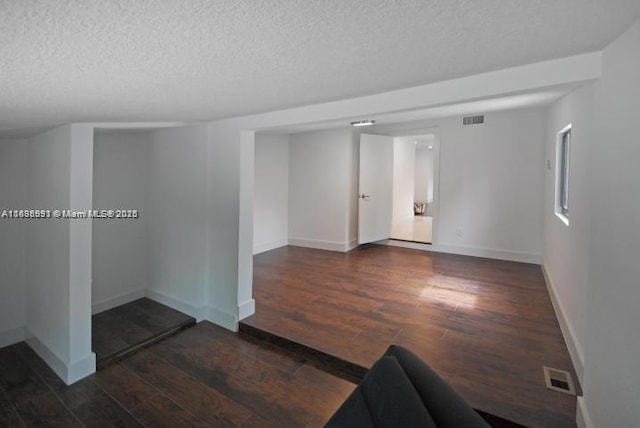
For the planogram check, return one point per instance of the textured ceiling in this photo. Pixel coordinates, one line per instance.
(189, 60)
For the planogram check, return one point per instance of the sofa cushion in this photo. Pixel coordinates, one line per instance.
(391, 398)
(352, 413)
(445, 406)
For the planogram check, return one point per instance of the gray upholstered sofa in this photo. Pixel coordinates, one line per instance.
(401, 390)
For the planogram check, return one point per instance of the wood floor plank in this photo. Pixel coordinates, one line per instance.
(30, 358)
(129, 326)
(324, 393)
(161, 412)
(487, 326)
(102, 411)
(79, 394)
(8, 415)
(126, 387)
(255, 385)
(257, 421)
(207, 404)
(46, 410)
(273, 394)
(257, 350)
(20, 383)
(203, 376)
(209, 377)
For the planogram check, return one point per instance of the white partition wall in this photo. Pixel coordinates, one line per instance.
(323, 171)
(13, 196)
(176, 219)
(58, 252)
(120, 181)
(271, 190)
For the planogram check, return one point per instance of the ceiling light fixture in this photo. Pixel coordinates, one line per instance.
(429, 147)
(363, 123)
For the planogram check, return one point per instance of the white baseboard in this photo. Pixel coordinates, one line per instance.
(221, 318)
(81, 368)
(321, 245)
(197, 312)
(246, 309)
(11, 336)
(68, 372)
(489, 253)
(121, 299)
(267, 246)
(575, 350)
(406, 244)
(583, 420)
(351, 245)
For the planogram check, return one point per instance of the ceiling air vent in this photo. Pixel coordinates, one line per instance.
(473, 120)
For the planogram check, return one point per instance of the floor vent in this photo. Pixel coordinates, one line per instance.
(559, 380)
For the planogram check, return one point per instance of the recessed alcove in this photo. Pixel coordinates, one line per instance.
(147, 267)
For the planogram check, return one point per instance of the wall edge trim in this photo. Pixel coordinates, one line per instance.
(70, 372)
(246, 309)
(490, 253)
(268, 246)
(177, 304)
(320, 244)
(118, 300)
(583, 420)
(575, 350)
(221, 318)
(81, 368)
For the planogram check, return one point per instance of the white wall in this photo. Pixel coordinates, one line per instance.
(423, 181)
(177, 220)
(163, 253)
(82, 360)
(566, 248)
(353, 180)
(592, 264)
(230, 159)
(120, 181)
(59, 251)
(491, 184)
(230, 222)
(321, 182)
(612, 346)
(13, 196)
(48, 241)
(271, 190)
(404, 163)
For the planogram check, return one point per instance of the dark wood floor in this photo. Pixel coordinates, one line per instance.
(126, 328)
(203, 376)
(485, 326)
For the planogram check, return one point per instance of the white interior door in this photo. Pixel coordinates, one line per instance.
(376, 188)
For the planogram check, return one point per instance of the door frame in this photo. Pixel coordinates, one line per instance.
(435, 131)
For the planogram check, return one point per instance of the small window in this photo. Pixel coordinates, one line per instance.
(563, 150)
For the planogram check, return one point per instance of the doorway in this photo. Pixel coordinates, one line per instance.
(413, 176)
(398, 188)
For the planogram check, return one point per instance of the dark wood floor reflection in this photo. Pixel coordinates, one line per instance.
(204, 376)
(486, 326)
(126, 328)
